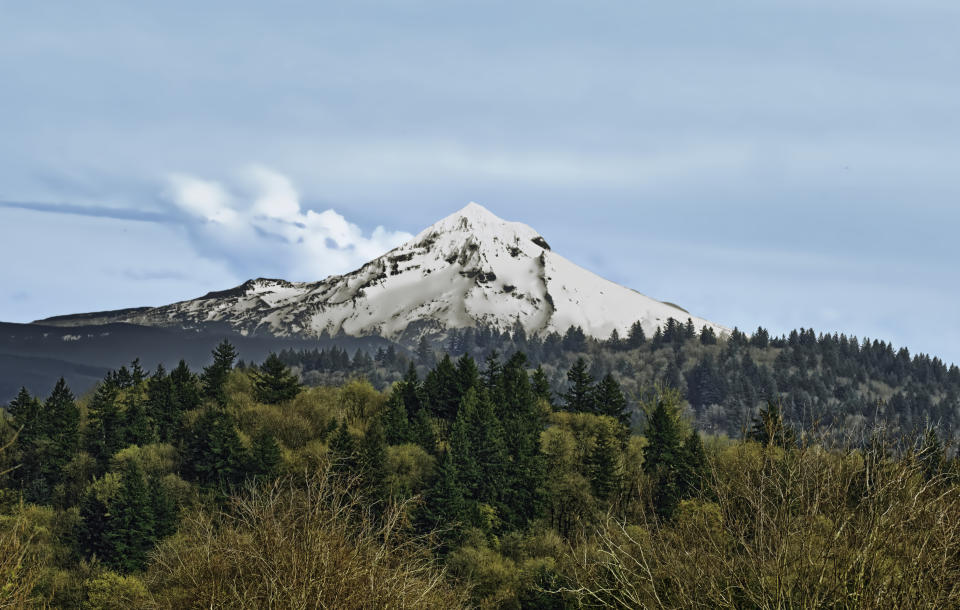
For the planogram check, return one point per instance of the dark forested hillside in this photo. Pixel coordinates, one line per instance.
(821, 380)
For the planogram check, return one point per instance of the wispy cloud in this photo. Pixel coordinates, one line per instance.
(89, 210)
(258, 223)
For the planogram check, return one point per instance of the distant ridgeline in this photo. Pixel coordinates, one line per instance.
(821, 380)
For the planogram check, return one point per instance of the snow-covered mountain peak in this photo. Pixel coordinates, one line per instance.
(476, 224)
(471, 268)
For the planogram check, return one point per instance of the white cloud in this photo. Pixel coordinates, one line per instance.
(259, 227)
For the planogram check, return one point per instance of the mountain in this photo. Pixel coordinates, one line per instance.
(469, 269)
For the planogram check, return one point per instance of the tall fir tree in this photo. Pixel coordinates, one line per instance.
(662, 458)
(396, 420)
(541, 385)
(603, 464)
(343, 449)
(444, 508)
(214, 455)
(214, 378)
(769, 429)
(373, 461)
(105, 431)
(274, 383)
(610, 401)
(579, 397)
(442, 390)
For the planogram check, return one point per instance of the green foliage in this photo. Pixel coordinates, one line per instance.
(663, 457)
(214, 378)
(214, 455)
(769, 429)
(274, 383)
(580, 397)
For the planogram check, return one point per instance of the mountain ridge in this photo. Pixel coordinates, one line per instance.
(469, 269)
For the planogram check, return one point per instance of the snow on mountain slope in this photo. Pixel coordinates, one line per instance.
(469, 268)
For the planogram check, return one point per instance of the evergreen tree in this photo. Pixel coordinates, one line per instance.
(442, 390)
(421, 431)
(163, 509)
(274, 383)
(707, 336)
(26, 411)
(541, 385)
(62, 420)
(523, 422)
(105, 432)
(373, 461)
(343, 449)
(138, 425)
(636, 336)
(132, 528)
(411, 391)
(119, 530)
(768, 428)
(186, 388)
(609, 400)
(214, 378)
(693, 466)
(468, 375)
(162, 407)
(662, 458)
(265, 456)
(603, 467)
(580, 397)
(214, 455)
(396, 420)
(444, 507)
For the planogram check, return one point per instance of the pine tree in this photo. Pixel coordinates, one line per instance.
(636, 336)
(693, 466)
(137, 422)
(26, 411)
(541, 385)
(579, 398)
(265, 456)
(186, 388)
(62, 418)
(274, 383)
(523, 422)
(343, 449)
(442, 390)
(444, 507)
(214, 378)
(468, 375)
(214, 455)
(373, 461)
(105, 432)
(609, 400)
(603, 467)
(421, 431)
(462, 449)
(769, 429)
(119, 530)
(396, 420)
(707, 336)
(162, 407)
(662, 458)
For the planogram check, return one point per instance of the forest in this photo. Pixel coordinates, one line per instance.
(628, 473)
(822, 380)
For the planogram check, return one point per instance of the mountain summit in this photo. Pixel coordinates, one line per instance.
(470, 268)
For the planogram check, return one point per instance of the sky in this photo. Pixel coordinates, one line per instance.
(784, 163)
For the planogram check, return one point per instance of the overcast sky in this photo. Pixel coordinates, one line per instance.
(782, 163)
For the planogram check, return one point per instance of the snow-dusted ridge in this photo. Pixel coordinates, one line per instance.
(468, 269)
